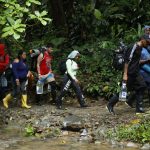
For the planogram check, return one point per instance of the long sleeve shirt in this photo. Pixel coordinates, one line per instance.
(20, 70)
(72, 68)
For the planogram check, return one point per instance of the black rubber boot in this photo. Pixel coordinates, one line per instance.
(38, 99)
(149, 96)
(139, 102)
(112, 102)
(53, 91)
(130, 100)
(59, 100)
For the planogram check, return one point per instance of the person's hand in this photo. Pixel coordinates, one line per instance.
(77, 81)
(39, 76)
(17, 82)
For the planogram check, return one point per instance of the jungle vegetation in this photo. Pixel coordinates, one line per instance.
(94, 27)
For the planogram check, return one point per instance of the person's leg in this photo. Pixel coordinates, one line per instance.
(64, 88)
(53, 91)
(112, 102)
(131, 98)
(9, 96)
(79, 93)
(23, 87)
(140, 87)
(139, 102)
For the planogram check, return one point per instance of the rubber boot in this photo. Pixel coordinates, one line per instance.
(139, 102)
(24, 102)
(53, 91)
(38, 98)
(149, 96)
(59, 102)
(82, 102)
(130, 100)
(112, 102)
(6, 100)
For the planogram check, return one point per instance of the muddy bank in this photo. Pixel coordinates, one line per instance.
(86, 125)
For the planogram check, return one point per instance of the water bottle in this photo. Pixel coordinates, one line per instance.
(39, 87)
(123, 93)
(3, 81)
(49, 88)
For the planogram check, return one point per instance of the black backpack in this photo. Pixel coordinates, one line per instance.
(118, 60)
(121, 54)
(62, 66)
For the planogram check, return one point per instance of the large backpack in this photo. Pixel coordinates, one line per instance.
(62, 66)
(119, 56)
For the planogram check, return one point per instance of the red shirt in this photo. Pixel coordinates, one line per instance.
(45, 65)
(4, 61)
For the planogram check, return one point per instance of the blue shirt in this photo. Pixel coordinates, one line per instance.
(20, 69)
(145, 69)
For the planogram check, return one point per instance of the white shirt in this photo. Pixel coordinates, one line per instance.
(72, 68)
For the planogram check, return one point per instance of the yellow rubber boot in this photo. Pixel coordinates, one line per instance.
(24, 102)
(6, 100)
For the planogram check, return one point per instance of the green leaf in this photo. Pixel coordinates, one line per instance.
(28, 4)
(43, 13)
(97, 14)
(32, 16)
(20, 30)
(37, 13)
(5, 34)
(43, 22)
(10, 20)
(16, 36)
(35, 2)
(7, 29)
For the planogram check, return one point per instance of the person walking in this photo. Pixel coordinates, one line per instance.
(135, 82)
(70, 78)
(20, 80)
(45, 73)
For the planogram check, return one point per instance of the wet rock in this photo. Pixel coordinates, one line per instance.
(65, 133)
(131, 144)
(73, 123)
(146, 147)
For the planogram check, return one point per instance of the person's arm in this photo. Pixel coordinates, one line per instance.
(39, 59)
(14, 69)
(125, 76)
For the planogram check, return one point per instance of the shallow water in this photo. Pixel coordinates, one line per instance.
(69, 142)
(63, 145)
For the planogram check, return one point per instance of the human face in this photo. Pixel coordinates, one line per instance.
(49, 50)
(77, 56)
(147, 31)
(23, 55)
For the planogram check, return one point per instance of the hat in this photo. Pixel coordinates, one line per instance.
(73, 54)
(146, 27)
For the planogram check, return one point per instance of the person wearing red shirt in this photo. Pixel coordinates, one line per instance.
(4, 59)
(44, 70)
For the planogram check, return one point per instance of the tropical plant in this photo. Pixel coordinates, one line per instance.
(15, 14)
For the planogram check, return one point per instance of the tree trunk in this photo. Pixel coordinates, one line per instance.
(57, 12)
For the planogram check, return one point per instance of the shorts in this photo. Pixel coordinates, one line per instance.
(47, 78)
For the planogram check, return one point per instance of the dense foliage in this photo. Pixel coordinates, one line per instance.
(94, 27)
(137, 131)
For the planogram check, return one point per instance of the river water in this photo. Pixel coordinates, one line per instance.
(12, 138)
